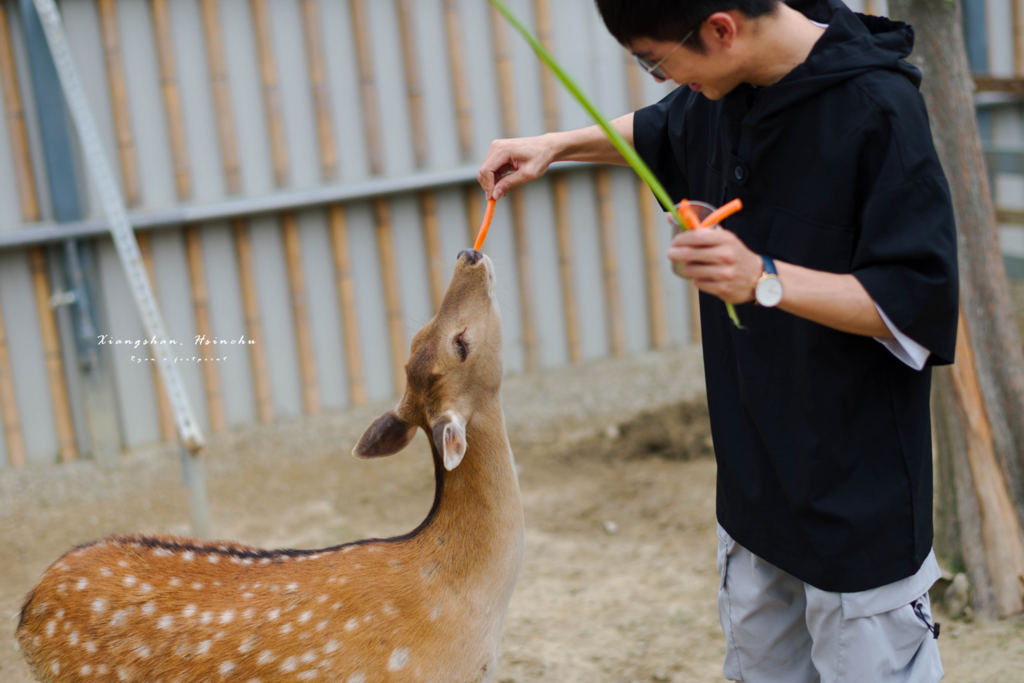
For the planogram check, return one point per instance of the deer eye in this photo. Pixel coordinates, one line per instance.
(461, 347)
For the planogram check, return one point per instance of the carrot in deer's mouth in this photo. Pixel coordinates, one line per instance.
(486, 225)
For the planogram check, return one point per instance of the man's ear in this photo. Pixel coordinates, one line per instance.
(386, 436)
(450, 438)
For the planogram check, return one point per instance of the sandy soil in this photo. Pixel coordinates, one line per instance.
(618, 583)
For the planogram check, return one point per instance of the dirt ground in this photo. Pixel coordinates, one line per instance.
(618, 582)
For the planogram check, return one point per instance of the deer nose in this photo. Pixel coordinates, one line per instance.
(472, 255)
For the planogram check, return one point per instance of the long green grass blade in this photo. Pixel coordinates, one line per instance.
(624, 148)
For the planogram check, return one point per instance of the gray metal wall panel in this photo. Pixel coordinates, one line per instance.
(393, 110)
(343, 84)
(200, 121)
(28, 360)
(1000, 38)
(630, 254)
(974, 33)
(411, 255)
(547, 285)
(174, 291)
(369, 294)
(133, 371)
(278, 320)
(247, 97)
(227, 322)
(81, 23)
(607, 65)
(482, 79)
(501, 249)
(149, 120)
(570, 24)
(28, 103)
(435, 75)
(296, 93)
(324, 309)
(452, 226)
(586, 258)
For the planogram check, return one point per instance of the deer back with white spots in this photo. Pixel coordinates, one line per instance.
(427, 606)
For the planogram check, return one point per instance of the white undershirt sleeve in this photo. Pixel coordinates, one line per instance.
(902, 346)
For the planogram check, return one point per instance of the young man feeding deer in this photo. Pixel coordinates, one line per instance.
(820, 405)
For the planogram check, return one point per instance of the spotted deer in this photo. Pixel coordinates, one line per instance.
(426, 606)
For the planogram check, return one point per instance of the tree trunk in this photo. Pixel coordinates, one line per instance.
(978, 406)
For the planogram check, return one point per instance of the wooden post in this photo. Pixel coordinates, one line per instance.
(321, 96)
(172, 97)
(54, 362)
(871, 7)
(610, 265)
(649, 230)
(119, 101)
(253, 321)
(367, 85)
(560, 189)
(201, 306)
(1001, 532)
(427, 198)
(510, 125)
(16, 131)
(389, 269)
(9, 403)
(300, 310)
(1017, 18)
(271, 91)
(168, 429)
(221, 95)
(347, 301)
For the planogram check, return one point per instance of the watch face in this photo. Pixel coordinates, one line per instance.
(769, 291)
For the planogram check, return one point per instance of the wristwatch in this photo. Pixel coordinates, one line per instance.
(768, 289)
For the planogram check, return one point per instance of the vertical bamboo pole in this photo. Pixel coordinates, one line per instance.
(221, 95)
(381, 209)
(16, 125)
(253, 321)
(610, 265)
(1017, 17)
(367, 85)
(318, 81)
(427, 198)
(396, 325)
(347, 300)
(119, 100)
(871, 7)
(271, 90)
(560, 189)
(300, 310)
(30, 213)
(172, 97)
(460, 83)
(168, 429)
(201, 306)
(510, 128)
(9, 405)
(54, 363)
(648, 229)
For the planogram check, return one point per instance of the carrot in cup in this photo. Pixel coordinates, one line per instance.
(486, 225)
(721, 213)
(686, 213)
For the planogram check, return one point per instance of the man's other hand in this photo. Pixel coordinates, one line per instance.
(718, 263)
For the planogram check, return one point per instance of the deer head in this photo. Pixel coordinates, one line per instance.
(454, 369)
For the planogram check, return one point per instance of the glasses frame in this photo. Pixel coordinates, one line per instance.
(654, 68)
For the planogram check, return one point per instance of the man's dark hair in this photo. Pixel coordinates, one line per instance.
(671, 20)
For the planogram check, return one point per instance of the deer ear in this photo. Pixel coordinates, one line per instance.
(387, 435)
(450, 438)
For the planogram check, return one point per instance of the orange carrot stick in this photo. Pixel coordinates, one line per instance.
(721, 213)
(488, 215)
(689, 217)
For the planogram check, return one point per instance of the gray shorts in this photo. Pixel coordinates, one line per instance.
(779, 629)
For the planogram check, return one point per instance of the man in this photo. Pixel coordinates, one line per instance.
(842, 266)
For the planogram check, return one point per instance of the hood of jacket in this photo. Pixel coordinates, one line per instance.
(852, 44)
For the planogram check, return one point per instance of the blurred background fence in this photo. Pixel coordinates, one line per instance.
(301, 174)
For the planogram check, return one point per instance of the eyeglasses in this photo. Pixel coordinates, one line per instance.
(654, 68)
